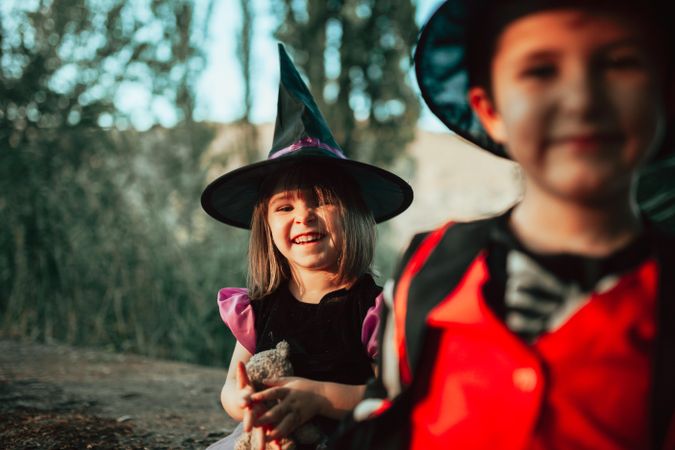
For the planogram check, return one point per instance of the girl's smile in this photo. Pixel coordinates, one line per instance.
(308, 238)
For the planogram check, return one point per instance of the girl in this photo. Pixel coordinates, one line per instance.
(311, 213)
(550, 326)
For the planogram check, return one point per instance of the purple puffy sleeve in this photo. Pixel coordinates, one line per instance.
(371, 327)
(235, 310)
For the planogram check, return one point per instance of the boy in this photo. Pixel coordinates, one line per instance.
(551, 326)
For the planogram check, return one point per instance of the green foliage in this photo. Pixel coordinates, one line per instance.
(356, 54)
(102, 241)
(656, 193)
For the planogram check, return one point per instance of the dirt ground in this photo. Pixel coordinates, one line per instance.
(59, 397)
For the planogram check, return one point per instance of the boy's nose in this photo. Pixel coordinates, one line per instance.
(582, 93)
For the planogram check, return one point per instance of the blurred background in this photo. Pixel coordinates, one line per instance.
(115, 114)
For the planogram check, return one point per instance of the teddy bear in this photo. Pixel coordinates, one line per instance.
(270, 364)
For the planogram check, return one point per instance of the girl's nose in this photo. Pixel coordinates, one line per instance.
(306, 214)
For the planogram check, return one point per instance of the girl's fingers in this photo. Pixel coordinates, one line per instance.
(246, 400)
(289, 423)
(260, 438)
(255, 411)
(244, 385)
(247, 421)
(273, 415)
(251, 414)
(242, 376)
(277, 393)
(274, 443)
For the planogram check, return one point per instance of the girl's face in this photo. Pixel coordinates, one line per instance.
(308, 234)
(577, 100)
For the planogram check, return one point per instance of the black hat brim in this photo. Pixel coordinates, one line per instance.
(442, 72)
(232, 197)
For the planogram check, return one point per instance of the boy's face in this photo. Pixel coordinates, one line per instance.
(577, 100)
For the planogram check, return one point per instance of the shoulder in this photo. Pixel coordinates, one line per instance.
(439, 263)
(236, 301)
(368, 296)
(232, 300)
(449, 240)
(234, 306)
(365, 291)
(660, 234)
(358, 299)
(662, 243)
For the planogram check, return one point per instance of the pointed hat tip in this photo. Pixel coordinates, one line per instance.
(290, 80)
(296, 103)
(289, 75)
(284, 59)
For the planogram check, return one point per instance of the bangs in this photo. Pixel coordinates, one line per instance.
(325, 182)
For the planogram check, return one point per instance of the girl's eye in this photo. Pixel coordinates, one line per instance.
(540, 71)
(284, 208)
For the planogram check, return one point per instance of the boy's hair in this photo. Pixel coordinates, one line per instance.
(488, 25)
(650, 15)
(268, 268)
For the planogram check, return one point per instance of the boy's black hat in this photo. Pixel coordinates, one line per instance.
(460, 32)
(301, 134)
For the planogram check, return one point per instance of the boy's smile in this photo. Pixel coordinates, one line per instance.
(577, 99)
(304, 231)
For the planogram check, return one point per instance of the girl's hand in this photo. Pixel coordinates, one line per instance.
(250, 407)
(299, 399)
(244, 393)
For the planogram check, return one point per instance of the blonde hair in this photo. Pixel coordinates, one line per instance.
(267, 268)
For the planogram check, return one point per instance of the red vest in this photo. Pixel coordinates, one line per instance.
(603, 380)
(488, 390)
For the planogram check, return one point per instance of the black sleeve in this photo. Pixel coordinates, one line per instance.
(414, 244)
(375, 388)
(261, 313)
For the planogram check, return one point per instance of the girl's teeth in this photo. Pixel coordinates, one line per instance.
(306, 239)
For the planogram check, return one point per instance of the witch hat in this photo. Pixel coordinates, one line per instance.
(300, 134)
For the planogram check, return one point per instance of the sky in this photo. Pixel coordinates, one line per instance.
(220, 88)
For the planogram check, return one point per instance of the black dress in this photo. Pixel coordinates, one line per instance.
(327, 340)
(324, 338)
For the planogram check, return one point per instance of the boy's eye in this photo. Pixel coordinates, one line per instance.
(540, 71)
(622, 62)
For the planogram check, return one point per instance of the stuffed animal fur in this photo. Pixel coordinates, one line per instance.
(270, 364)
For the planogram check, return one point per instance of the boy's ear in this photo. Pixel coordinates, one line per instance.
(483, 106)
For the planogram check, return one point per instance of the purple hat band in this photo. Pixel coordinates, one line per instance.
(308, 142)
